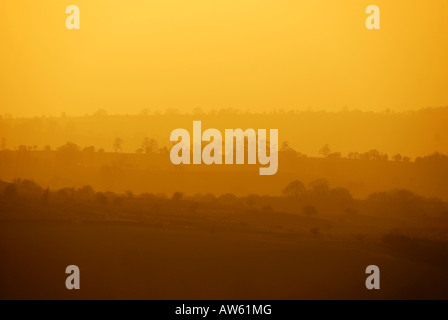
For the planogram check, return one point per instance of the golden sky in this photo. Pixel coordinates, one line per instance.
(250, 54)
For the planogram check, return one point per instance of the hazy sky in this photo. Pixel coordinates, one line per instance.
(250, 54)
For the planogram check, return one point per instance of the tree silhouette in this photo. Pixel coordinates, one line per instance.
(294, 190)
(319, 185)
(86, 191)
(177, 196)
(129, 194)
(325, 151)
(285, 147)
(374, 155)
(334, 155)
(353, 155)
(69, 147)
(89, 149)
(149, 145)
(117, 144)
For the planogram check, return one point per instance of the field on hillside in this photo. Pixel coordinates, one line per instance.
(144, 247)
(134, 262)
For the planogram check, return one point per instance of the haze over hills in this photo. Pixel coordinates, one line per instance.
(312, 242)
(413, 133)
(87, 180)
(141, 163)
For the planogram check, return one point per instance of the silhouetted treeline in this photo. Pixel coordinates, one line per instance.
(316, 198)
(151, 147)
(152, 171)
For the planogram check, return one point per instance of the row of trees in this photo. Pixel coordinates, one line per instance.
(309, 199)
(150, 146)
(147, 146)
(373, 154)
